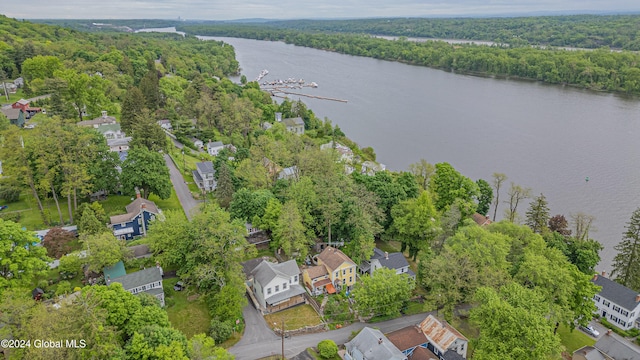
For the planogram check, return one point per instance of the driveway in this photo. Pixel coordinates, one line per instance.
(270, 345)
(256, 329)
(189, 204)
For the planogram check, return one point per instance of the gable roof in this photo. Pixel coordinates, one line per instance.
(481, 219)
(266, 271)
(407, 338)
(591, 353)
(392, 261)
(119, 142)
(293, 122)
(332, 258)
(440, 334)
(316, 271)
(214, 144)
(115, 271)
(616, 348)
(139, 278)
(11, 113)
(374, 346)
(133, 209)
(616, 293)
(421, 353)
(205, 167)
(452, 355)
(108, 127)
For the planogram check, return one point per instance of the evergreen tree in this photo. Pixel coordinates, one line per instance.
(626, 264)
(132, 106)
(538, 214)
(225, 190)
(150, 88)
(485, 198)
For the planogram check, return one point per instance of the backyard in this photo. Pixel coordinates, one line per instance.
(294, 318)
(187, 312)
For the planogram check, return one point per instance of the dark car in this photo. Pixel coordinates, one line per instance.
(2, 207)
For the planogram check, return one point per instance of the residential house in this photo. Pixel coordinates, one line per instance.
(617, 303)
(290, 173)
(615, 347)
(19, 82)
(294, 125)
(119, 145)
(316, 279)
(371, 168)
(15, 116)
(481, 219)
(136, 221)
(111, 131)
(340, 268)
(148, 281)
(197, 143)
(443, 339)
(371, 344)
(590, 353)
(276, 286)
(214, 147)
(165, 124)
(412, 342)
(346, 154)
(395, 261)
(99, 121)
(23, 105)
(204, 176)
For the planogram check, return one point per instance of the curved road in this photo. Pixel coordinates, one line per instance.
(259, 341)
(189, 204)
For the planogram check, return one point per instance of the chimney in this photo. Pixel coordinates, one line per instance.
(386, 255)
(638, 298)
(595, 277)
(137, 193)
(278, 116)
(604, 274)
(104, 113)
(380, 341)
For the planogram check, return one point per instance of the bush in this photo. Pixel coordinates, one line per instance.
(10, 194)
(12, 216)
(220, 330)
(327, 349)
(614, 328)
(64, 287)
(633, 332)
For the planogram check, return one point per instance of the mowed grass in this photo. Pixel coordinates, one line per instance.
(574, 340)
(190, 317)
(294, 318)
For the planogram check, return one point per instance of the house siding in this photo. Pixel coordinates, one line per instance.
(135, 224)
(615, 314)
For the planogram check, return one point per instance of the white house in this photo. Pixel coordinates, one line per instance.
(197, 143)
(294, 125)
(617, 303)
(165, 124)
(276, 286)
(119, 144)
(214, 147)
(204, 176)
(443, 339)
(290, 173)
(371, 168)
(395, 261)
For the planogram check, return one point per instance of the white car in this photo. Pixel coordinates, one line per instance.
(590, 330)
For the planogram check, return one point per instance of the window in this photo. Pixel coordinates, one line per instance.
(596, 298)
(295, 278)
(277, 288)
(622, 323)
(337, 273)
(616, 308)
(268, 291)
(344, 271)
(605, 303)
(284, 286)
(344, 281)
(615, 319)
(350, 279)
(144, 287)
(350, 270)
(633, 314)
(625, 312)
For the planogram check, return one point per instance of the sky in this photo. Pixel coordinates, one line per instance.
(297, 9)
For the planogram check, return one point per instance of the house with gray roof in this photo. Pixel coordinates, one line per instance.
(590, 353)
(15, 116)
(148, 281)
(205, 176)
(276, 286)
(371, 344)
(294, 125)
(290, 173)
(394, 261)
(617, 348)
(617, 303)
(99, 121)
(111, 131)
(214, 147)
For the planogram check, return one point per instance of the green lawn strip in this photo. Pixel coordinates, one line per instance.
(190, 317)
(294, 318)
(574, 340)
(414, 307)
(12, 97)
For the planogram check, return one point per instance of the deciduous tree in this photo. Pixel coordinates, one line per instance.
(103, 250)
(415, 223)
(384, 293)
(148, 171)
(57, 242)
(516, 194)
(498, 179)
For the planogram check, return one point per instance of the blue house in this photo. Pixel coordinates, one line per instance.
(136, 221)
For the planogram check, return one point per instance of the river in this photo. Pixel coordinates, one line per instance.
(546, 137)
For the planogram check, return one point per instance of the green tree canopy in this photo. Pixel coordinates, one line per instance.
(384, 293)
(21, 260)
(148, 171)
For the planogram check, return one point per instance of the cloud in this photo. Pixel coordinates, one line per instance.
(286, 9)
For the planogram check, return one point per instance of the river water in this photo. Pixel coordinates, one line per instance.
(546, 137)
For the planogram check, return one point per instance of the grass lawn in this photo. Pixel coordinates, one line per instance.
(414, 307)
(12, 97)
(190, 317)
(574, 340)
(30, 216)
(115, 204)
(294, 318)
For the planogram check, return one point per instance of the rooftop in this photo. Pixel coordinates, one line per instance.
(611, 345)
(293, 121)
(266, 271)
(616, 293)
(440, 333)
(407, 338)
(205, 167)
(317, 271)
(333, 258)
(373, 345)
(139, 278)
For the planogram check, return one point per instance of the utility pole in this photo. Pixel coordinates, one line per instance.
(282, 331)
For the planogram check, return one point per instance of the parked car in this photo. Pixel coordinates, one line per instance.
(3, 207)
(590, 330)
(179, 286)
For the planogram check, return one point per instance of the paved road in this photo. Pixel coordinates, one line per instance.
(256, 329)
(189, 204)
(269, 344)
